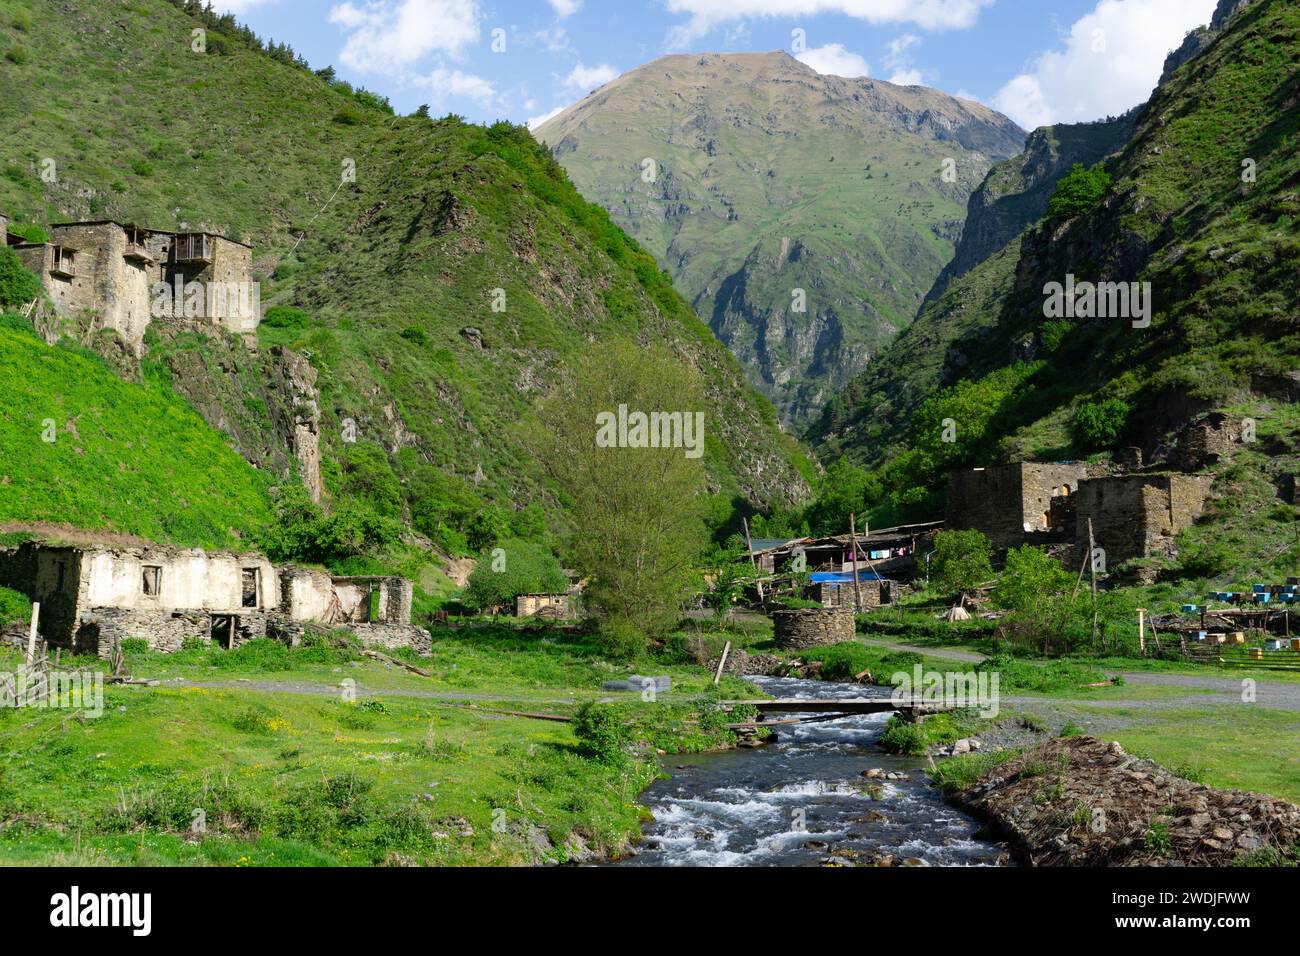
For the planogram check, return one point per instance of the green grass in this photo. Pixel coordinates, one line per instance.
(124, 457)
(1245, 747)
(388, 274)
(296, 775)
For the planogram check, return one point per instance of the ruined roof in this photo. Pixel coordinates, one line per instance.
(160, 232)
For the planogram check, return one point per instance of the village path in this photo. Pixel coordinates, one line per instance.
(1275, 694)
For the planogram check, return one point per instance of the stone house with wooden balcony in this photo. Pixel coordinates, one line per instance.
(114, 274)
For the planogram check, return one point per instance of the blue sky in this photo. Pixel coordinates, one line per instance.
(1038, 61)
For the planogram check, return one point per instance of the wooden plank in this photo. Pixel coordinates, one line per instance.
(849, 705)
(722, 662)
(31, 635)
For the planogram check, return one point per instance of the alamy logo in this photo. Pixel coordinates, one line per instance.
(978, 689)
(53, 690)
(207, 300)
(654, 430)
(103, 909)
(1099, 300)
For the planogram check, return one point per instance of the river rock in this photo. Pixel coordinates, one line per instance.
(1039, 813)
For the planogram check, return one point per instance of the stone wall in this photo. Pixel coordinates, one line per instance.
(1136, 516)
(812, 627)
(117, 289)
(1005, 502)
(165, 631)
(872, 594)
(1207, 442)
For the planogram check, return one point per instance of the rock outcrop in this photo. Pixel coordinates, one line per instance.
(1081, 801)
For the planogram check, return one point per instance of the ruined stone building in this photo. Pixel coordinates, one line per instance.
(111, 274)
(1138, 516)
(1132, 515)
(1009, 503)
(93, 597)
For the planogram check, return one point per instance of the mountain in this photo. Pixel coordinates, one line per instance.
(1203, 203)
(749, 176)
(420, 306)
(1014, 195)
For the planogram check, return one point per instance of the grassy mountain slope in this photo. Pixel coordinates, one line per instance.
(393, 270)
(1014, 195)
(770, 177)
(1220, 254)
(124, 457)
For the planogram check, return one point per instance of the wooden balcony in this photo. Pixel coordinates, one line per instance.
(138, 253)
(193, 248)
(62, 263)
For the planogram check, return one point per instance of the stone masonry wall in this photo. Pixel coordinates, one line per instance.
(812, 627)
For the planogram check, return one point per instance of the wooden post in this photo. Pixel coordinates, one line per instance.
(753, 561)
(722, 662)
(853, 540)
(31, 636)
(1142, 630)
(1092, 569)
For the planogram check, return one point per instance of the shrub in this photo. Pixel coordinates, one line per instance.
(1079, 191)
(285, 316)
(18, 285)
(415, 335)
(962, 561)
(14, 608)
(134, 645)
(621, 640)
(1100, 425)
(902, 737)
(600, 732)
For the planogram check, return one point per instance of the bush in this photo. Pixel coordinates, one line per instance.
(600, 732)
(962, 561)
(523, 568)
(1098, 426)
(18, 285)
(621, 641)
(14, 608)
(285, 316)
(134, 645)
(903, 737)
(1079, 191)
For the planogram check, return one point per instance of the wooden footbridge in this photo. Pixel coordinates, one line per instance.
(831, 709)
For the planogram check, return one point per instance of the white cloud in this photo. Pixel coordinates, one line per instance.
(443, 83)
(927, 14)
(898, 48)
(584, 79)
(900, 61)
(386, 36)
(907, 78)
(1110, 62)
(834, 60)
(537, 121)
(565, 8)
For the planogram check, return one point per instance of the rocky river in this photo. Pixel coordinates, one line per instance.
(804, 801)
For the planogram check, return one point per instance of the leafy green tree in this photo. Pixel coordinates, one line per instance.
(962, 561)
(1033, 586)
(636, 512)
(442, 505)
(488, 526)
(513, 568)
(529, 523)
(368, 475)
(1078, 191)
(1100, 425)
(302, 531)
(18, 285)
(846, 489)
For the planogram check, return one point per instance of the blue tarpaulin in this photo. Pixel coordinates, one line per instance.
(845, 577)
